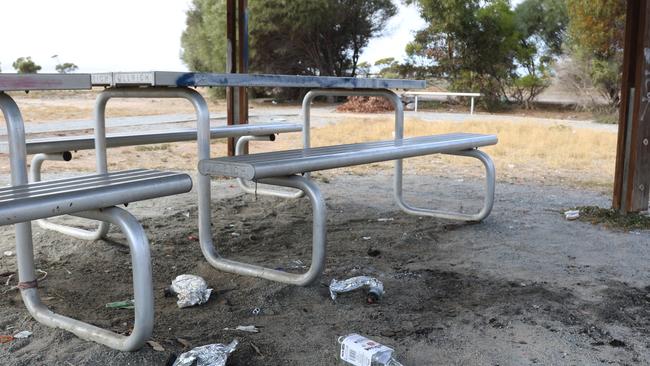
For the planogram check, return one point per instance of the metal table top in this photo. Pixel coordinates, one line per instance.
(194, 79)
(15, 82)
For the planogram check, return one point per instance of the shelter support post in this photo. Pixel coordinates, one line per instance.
(632, 177)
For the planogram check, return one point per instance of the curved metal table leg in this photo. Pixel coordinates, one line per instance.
(319, 234)
(251, 187)
(142, 289)
(35, 170)
(490, 178)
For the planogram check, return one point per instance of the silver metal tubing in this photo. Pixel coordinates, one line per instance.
(250, 187)
(488, 202)
(393, 98)
(143, 284)
(319, 240)
(142, 290)
(100, 118)
(35, 173)
(18, 166)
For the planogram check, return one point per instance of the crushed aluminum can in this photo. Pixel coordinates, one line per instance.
(208, 355)
(191, 290)
(23, 334)
(375, 287)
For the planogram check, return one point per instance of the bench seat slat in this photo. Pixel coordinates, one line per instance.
(87, 142)
(67, 196)
(283, 163)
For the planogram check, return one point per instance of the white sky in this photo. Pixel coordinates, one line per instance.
(130, 35)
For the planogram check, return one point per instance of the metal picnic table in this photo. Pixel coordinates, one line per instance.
(161, 85)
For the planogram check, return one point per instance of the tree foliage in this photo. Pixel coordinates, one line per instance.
(66, 67)
(595, 45)
(25, 65)
(486, 46)
(316, 37)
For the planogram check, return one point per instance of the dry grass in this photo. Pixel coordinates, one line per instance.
(525, 152)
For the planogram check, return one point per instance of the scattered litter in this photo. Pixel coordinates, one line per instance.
(245, 328)
(361, 351)
(192, 238)
(23, 334)
(375, 287)
(191, 290)
(366, 237)
(256, 311)
(297, 264)
(373, 252)
(257, 349)
(184, 342)
(8, 253)
(187, 214)
(6, 339)
(126, 304)
(156, 346)
(385, 219)
(235, 234)
(572, 215)
(209, 355)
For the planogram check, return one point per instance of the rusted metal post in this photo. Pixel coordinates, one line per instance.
(632, 179)
(242, 57)
(231, 67)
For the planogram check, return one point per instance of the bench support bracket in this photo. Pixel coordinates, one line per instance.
(138, 243)
(250, 187)
(488, 202)
(35, 173)
(319, 234)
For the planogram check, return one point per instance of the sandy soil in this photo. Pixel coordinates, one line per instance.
(524, 287)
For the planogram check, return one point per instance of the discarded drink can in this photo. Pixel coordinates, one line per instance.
(358, 350)
(375, 287)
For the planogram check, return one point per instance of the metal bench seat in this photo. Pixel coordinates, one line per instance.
(51, 145)
(67, 196)
(285, 163)
(285, 169)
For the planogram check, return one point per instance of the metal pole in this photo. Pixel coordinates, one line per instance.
(632, 176)
(416, 103)
(471, 108)
(231, 67)
(242, 58)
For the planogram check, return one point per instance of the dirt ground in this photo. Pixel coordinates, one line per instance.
(524, 287)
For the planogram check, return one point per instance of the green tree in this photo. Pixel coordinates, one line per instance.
(596, 37)
(363, 69)
(66, 67)
(541, 28)
(471, 43)
(25, 65)
(317, 37)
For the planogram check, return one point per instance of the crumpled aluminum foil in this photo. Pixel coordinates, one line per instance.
(208, 355)
(375, 287)
(191, 290)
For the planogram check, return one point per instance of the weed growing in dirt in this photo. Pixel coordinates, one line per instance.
(613, 219)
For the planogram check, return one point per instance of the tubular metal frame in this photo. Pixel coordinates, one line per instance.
(251, 187)
(395, 100)
(138, 243)
(35, 174)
